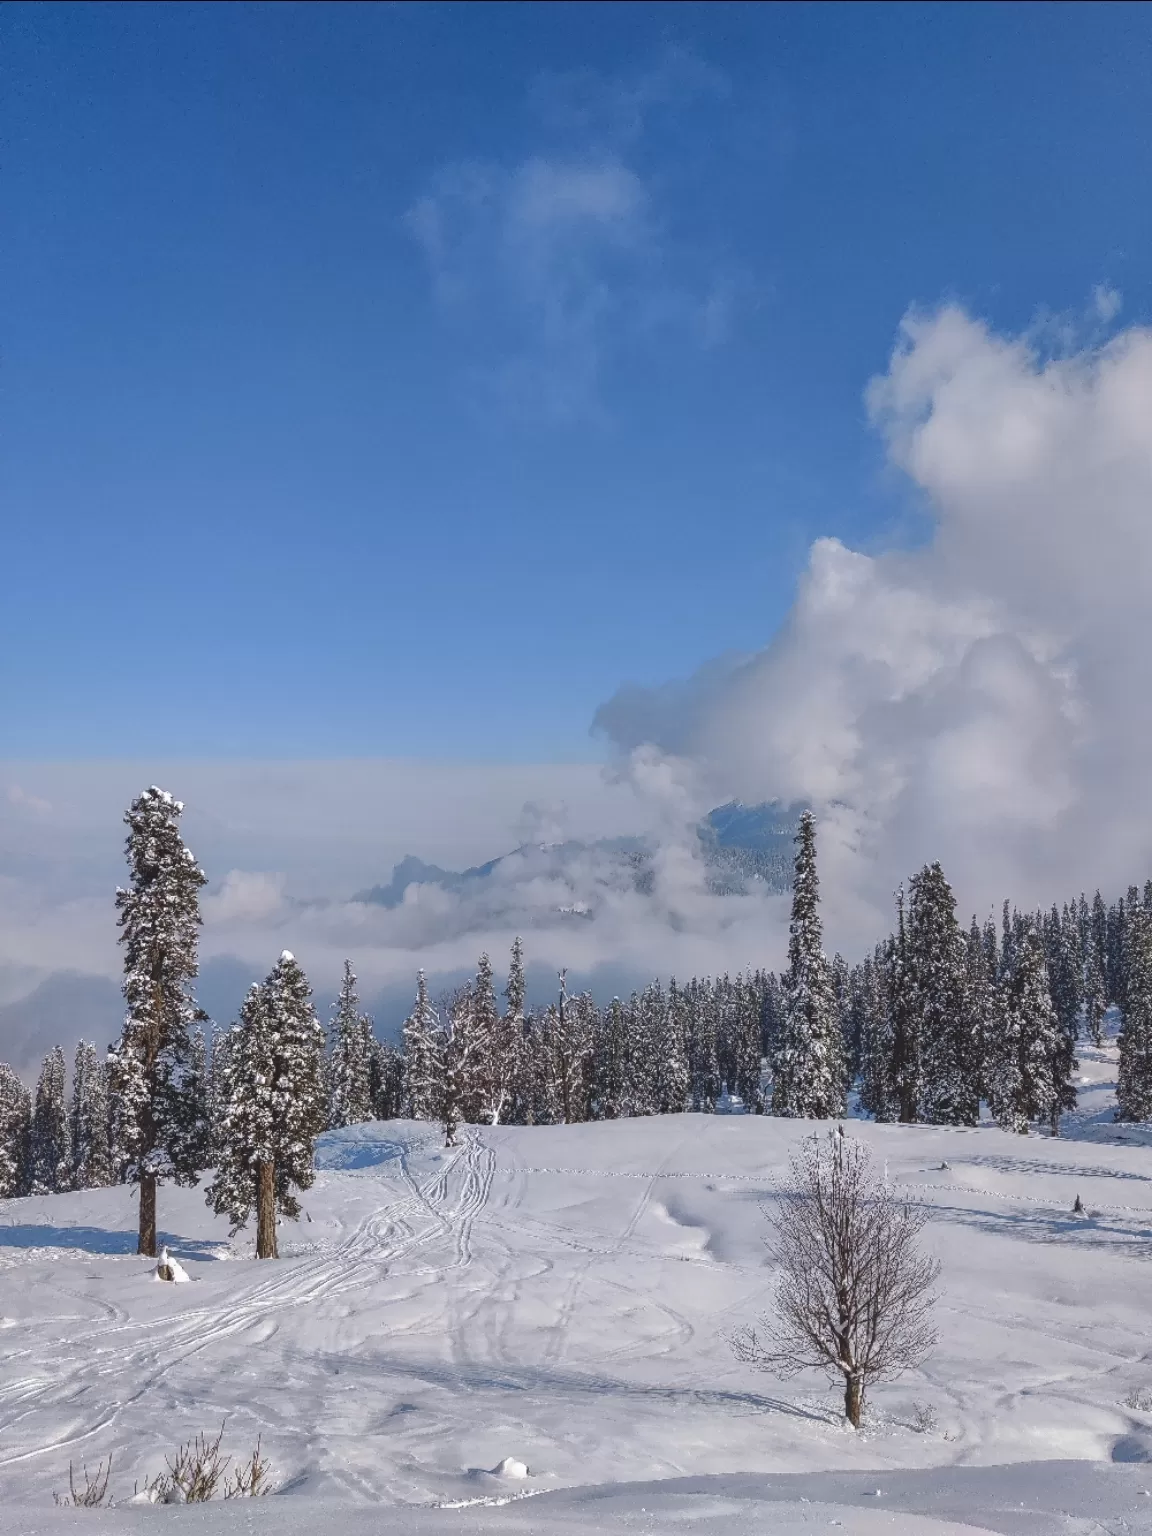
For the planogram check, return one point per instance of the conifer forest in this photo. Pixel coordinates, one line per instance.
(942, 1017)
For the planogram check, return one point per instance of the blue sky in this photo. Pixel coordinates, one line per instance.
(400, 380)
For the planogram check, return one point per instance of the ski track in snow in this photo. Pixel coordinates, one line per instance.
(380, 1238)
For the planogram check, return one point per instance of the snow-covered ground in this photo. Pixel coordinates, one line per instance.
(561, 1296)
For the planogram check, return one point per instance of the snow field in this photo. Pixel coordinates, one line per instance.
(560, 1296)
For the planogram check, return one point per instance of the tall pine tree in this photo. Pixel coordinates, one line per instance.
(808, 1069)
(91, 1152)
(1030, 1058)
(350, 1058)
(949, 1056)
(159, 919)
(877, 1086)
(422, 1056)
(51, 1132)
(15, 1134)
(1134, 1083)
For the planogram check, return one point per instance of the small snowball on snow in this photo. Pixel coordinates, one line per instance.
(510, 1467)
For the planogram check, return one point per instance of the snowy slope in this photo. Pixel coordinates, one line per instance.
(561, 1295)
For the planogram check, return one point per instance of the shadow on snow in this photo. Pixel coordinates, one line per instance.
(101, 1240)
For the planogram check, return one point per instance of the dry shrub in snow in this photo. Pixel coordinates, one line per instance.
(199, 1471)
(924, 1420)
(854, 1294)
(95, 1489)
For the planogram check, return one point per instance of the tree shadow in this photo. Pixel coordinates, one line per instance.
(347, 1155)
(511, 1378)
(1041, 1165)
(100, 1240)
(1091, 1230)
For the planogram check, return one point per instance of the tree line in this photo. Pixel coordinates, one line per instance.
(936, 1021)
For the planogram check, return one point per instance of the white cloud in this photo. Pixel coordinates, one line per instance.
(1107, 302)
(983, 700)
(566, 247)
(618, 109)
(245, 896)
(18, 796)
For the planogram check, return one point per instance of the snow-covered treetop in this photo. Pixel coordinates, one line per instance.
(162, 794)
(286, 954)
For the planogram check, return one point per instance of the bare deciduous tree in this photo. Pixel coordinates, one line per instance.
(855, 1293)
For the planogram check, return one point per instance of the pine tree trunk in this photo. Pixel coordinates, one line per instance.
(147, 1240)
(853, 1400)
(266, 1211)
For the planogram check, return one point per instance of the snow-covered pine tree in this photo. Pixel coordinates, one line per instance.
(1049, 1058)
(877, 1088)
(218, 1094)
(422, 1057)
(570, 1028)
(1098, 928)
(1094, 992)
(1008, 929)
(611, 1061)
(1134, 1083)
(516, 990)
(1114, 961)
(242, 1086)
(747, 1041)
(771, 1012)
(1004, 1085)
(91, 1153)
(496, 1039)
(386, 1081)
(159, 919)
(907, 1078)
(195, 1100)
(457, 1063)
(645, 1019)
(1029, 1072)
(982, 994)
(505, 1073)
(991, 948)
(949, 1048)
(277, 1105)
(15, 1134)
(808, 1068)
(841, 979)
(702, 1047)
(672, 1078)
(51, 1132)
(1062, 951)
(350, 1055)
(853, 1023)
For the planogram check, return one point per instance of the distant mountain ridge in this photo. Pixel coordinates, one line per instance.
(741, 844)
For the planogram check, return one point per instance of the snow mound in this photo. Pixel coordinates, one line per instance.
(170, 1269)
(510, 1467)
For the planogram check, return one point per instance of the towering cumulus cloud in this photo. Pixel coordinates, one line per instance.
(984, 699)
